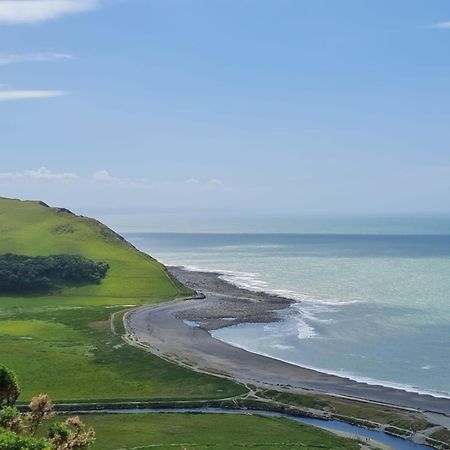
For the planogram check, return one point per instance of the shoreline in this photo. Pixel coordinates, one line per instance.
(197, 277)
(163, 328)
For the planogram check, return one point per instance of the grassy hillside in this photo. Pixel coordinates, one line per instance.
(30, 228)
(62, 344)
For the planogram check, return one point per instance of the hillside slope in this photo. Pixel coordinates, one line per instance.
(32, 228)
(62, 344)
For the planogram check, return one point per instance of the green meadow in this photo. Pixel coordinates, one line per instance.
(206, 431)
(62, 343)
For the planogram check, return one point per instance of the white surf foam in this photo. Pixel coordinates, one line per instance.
(282, 347)
(253, 282)
(191, 323)
(304, 331)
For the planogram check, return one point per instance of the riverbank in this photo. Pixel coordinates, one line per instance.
(179, 332)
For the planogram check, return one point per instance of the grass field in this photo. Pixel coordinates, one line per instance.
(61, 344)
(206, 431)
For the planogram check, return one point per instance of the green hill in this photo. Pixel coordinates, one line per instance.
(32, 228)
(62, 343)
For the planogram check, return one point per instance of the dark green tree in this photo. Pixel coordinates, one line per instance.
(9, 387)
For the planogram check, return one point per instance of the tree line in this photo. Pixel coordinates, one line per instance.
(19, 273)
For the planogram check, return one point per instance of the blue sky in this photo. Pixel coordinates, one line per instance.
(265, 105)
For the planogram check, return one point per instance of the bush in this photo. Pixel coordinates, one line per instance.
(9, 387)
(17, 431)
(13, 441)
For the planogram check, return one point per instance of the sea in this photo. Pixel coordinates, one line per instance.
(372, 304)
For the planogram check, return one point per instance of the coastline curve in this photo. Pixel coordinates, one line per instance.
(162, 331)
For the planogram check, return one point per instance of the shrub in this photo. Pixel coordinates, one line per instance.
(9, 387)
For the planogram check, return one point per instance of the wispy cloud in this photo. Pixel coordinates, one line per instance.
(14, 95)
(35, 11)
(104, 175)
(212, 183)
(33, 57)
(441, 25)
(43, 175)
(39, 174)
(215, 183)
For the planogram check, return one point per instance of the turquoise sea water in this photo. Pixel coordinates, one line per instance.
(371, 307)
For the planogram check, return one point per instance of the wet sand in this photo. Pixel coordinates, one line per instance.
(167, 330)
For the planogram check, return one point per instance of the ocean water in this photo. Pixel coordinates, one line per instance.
(374, 308)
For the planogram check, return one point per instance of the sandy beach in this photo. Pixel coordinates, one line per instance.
(169, 332)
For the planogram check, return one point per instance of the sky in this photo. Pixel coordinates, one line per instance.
(271, 106)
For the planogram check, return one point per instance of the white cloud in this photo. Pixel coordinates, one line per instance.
(104, 175)
(34, 11)
(33, 57)
(441, 25)
(214, 182)
(39, 174)
(46, 174)
(12, 95)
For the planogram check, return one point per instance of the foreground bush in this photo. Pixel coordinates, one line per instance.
(12, 441)
(18, 431)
